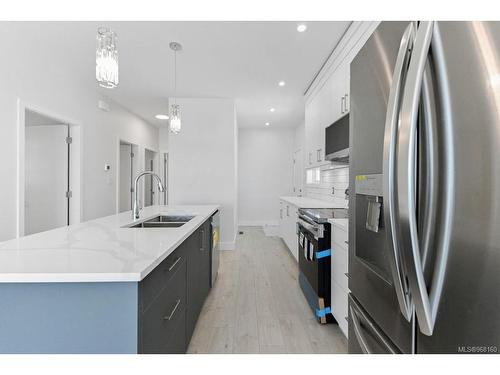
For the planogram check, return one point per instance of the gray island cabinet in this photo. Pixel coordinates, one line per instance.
(172, 295)
(154, 315)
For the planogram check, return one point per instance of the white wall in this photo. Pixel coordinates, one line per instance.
(46, 179)
(31, 75)
(265, 166)
(299, 140)
(203, 160)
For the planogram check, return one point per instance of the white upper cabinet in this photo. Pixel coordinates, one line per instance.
(341, 88)
(329, 96)
(329, 103)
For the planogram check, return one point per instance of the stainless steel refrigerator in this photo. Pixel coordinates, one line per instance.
(424, 262)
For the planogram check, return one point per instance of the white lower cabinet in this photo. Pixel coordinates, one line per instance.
(339, 279)
(288, 225)
(339, 267)
(339, 306)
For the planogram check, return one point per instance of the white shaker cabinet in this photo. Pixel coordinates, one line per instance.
(288, 225)
(339, 279)
(327, 105)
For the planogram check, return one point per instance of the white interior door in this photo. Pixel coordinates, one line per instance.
(46, 178)
(150, 191)
(298, 173)
(127, 156)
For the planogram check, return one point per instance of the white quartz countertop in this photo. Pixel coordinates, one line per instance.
(99, 250)
(304, 202)
(341, 223)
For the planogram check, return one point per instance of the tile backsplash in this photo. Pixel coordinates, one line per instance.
(333, 183)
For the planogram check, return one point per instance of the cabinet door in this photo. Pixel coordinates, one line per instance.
(293, 233)
(291, 230)
(198, 275)
(340, 82)
(282, 220)
(340, 306)
(160, 322)
(310, 130)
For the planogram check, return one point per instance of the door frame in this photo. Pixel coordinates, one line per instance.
(76, 162)
(301, 171)
(140, 161)
(156, 169)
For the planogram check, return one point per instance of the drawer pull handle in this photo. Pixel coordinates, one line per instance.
(346, 242)
(169, 317)
(346, 275)
(174, 264)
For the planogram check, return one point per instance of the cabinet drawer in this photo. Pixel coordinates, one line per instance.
(161, 321)
(339, 267)
(153, 283)
(339, 237)
(340, 306)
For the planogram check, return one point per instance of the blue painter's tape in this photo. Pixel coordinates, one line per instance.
(322, 313)
(323, 254)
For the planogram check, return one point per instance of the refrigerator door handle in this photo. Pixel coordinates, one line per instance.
(356, 316)
(389, 172)
(426, 304)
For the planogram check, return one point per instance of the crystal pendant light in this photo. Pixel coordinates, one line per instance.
(106, 58)
(175, 111)
(175, 119)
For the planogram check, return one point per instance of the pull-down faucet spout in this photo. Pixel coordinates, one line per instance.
(135, 211)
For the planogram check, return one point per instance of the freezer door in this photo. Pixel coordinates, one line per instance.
(364, 335)
(458, 305)
(371, 276)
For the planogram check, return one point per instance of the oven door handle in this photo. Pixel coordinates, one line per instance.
(316, 230)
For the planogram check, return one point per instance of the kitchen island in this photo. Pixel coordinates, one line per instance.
(104, 287)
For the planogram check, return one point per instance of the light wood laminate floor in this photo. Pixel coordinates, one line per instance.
(257, 306)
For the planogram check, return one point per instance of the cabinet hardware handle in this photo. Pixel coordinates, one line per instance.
(346, 275)
(346, 242)
(169, 317)
(202, 245)
(174, 264)
(346, 318)
(342, 104)
(287, 210)
(346, 106)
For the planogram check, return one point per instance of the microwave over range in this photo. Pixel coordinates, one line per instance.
(337, 140)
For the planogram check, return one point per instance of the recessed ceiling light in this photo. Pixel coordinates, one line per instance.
(301, 28)
(272, 110)
(267, 124)
(162, 117)
(281, 83)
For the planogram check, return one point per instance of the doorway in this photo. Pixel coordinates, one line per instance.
(150, 190)
(298, 173)
(127, 171)
(49, 191)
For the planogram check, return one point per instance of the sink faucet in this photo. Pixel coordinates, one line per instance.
(135, 211)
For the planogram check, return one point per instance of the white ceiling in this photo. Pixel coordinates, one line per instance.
(240, 60)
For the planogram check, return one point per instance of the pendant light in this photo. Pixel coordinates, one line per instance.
(175, 111)
(106, 58)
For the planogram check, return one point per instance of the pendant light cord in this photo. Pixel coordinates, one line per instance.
(175, 77)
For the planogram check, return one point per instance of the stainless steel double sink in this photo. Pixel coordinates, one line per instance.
(163, 221)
